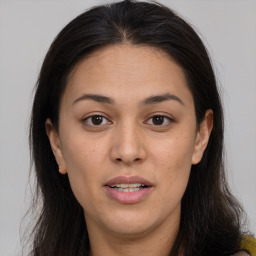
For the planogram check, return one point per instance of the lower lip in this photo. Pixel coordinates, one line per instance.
(128, 197)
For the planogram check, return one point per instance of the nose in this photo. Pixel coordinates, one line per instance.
(128, 146)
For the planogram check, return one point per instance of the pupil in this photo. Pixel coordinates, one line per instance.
(158, 120)
(96, 120)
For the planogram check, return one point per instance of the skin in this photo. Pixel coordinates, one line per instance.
(128, 142)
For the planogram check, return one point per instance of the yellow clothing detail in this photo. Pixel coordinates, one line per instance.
(249, 244)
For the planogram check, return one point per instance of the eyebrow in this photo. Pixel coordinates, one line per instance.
(160, 98)
(148, 101)
(95, 97)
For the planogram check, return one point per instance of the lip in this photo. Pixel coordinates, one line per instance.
(128, 197)
(128, 180)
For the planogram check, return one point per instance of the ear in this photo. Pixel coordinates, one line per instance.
(202, 137)
(55, 145)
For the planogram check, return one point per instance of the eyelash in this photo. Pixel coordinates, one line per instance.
(88, 121)
(167, 119)
(85, 120)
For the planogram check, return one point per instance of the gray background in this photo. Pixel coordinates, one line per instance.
(28, 27)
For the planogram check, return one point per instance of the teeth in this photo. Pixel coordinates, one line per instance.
(127, 186)
(127, 189)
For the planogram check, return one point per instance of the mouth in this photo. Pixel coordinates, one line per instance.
(128, 187)
(128, 190)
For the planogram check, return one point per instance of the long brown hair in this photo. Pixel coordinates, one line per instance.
(210, 215)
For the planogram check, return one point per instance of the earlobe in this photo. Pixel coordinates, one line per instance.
(54, 139)
(202, 137)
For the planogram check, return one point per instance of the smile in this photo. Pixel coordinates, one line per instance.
(128, 190)
(128, 187)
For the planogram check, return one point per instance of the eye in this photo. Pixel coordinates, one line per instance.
(96, 120)
(160, 120)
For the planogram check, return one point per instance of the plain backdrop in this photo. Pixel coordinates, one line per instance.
(28, 27)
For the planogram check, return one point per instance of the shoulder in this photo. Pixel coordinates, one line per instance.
(248, 244)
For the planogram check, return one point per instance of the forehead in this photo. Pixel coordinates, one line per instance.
(127, 70)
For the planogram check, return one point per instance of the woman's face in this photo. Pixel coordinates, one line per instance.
(127, 139)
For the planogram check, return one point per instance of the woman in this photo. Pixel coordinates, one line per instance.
(127, 138)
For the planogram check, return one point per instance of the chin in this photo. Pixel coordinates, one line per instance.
(131, 224)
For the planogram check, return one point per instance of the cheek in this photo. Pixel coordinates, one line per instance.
(174, 153)
(79, 155)
(172, 160)
(80, 149)
(84, 160)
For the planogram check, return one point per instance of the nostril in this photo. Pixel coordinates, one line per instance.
(120, 160)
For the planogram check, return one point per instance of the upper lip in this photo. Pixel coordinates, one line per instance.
(128, 180)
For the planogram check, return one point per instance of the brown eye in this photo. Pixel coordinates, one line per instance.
(160, 120)
(95, 120)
